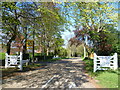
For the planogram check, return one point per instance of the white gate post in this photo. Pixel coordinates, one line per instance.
(95, 65)
(84, 51)
(6, 60)
(21, 61)
(115, 61)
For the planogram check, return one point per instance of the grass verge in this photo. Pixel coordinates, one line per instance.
(106, 79)
(2, 56)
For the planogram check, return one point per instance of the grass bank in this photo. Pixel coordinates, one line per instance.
(106, 79)
(2, 56)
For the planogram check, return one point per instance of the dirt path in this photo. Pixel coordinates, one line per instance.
(66, 73)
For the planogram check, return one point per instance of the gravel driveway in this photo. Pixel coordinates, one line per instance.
(66, 73)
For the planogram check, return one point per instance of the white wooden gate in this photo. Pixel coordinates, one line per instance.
(15, 61)
(105, 62)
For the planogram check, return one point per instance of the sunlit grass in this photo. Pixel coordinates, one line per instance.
(106, 79)
(2, 56)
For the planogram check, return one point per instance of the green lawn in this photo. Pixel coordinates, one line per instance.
(106, 79)
(2, 56)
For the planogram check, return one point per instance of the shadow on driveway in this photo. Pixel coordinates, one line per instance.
(67, 73)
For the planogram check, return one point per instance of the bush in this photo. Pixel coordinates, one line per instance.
(39, 58)
(86, 58)
(26, 56)
(88, 65)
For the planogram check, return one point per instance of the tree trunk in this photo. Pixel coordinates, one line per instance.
(8, 47)
(84, 51)
(24, 48)
(9, 43)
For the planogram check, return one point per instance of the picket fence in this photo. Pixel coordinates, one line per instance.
(105, 62)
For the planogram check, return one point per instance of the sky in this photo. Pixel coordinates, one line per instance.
(67, 35)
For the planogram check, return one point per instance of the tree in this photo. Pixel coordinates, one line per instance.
(48, 26)
(24, 18)
(10, 21)
(92, 22)
(13, 19)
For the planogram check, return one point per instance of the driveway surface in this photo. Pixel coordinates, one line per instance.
(66, 73)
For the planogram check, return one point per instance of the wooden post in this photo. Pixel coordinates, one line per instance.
(84, 51)
(33, 46)
(94, 70)
(6, 60)
(21, 68)
(115, 61)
